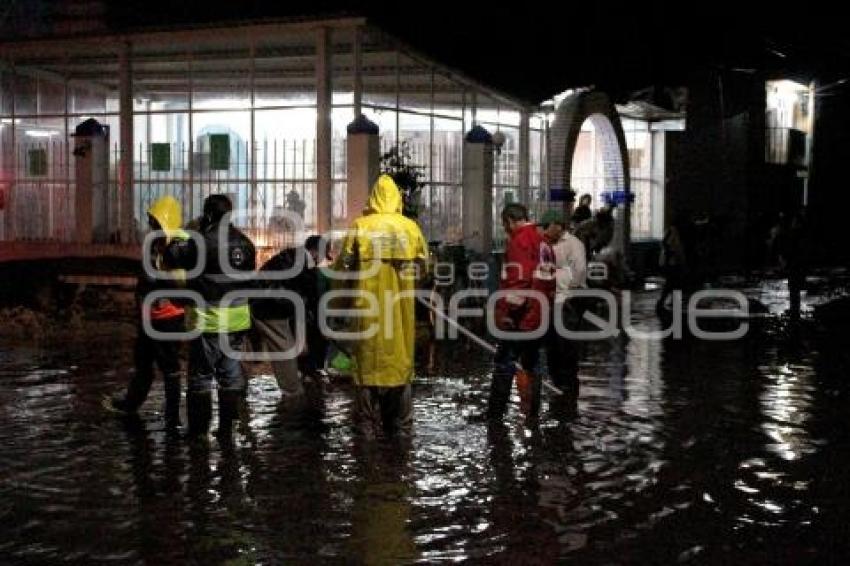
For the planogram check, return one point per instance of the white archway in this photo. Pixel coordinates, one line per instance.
(571, 113)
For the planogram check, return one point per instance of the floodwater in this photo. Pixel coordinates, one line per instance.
(676, 451)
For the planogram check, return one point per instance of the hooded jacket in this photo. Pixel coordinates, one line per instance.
(168, 213)
(382, 232)
(381, 244)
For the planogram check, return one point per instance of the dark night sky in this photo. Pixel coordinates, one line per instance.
(533, 51)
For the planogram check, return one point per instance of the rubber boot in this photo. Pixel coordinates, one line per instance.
(536, 396)
(314, 401)
(199, 412)
(172, 401)
(137, 392)
(119, 405)
(500, 393)
(228, 412)
(367, 414)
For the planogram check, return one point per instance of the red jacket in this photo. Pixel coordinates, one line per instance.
(528, 264)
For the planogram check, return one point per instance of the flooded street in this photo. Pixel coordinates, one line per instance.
(676, 451)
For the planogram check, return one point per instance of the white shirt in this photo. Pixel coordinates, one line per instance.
(570, 264)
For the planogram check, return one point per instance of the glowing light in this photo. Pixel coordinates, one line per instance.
(41, 133)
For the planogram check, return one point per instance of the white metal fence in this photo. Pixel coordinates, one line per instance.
(277, 175)
(40, 194)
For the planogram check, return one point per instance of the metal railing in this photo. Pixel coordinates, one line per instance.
(277, 175)
(441, 197)
(40, 200)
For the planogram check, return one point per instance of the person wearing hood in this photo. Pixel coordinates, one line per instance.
(227, 253)
(383, 246)
(165, 316)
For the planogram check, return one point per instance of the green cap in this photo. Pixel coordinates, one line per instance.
(552, 217)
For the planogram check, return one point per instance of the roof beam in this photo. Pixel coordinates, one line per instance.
(192, 36)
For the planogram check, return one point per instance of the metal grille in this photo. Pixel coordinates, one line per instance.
(41, 201)
(280, 175)
(440, 200)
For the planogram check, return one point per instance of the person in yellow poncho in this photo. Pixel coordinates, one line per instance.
(382, 246)
(164, 214)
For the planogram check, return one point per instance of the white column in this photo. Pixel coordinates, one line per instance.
(324, 103)
(93, 199)
(478, 190)
(363, 165)
(83, 213)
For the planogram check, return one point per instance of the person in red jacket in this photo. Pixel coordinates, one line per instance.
(528, 266)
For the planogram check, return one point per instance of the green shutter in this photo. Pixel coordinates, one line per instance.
(220, 152)
(160, 157)
(37, 161)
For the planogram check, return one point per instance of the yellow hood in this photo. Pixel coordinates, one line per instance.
(168, 212)
(380, 244)
(383, 232)
(385, 197)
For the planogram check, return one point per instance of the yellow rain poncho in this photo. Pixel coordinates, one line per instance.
(382, 245)
(169, 214)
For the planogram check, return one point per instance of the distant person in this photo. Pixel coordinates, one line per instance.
(791, 242)
(165, 316)
(582, 211)
(673, 260)
(387, 249)
(295, 204)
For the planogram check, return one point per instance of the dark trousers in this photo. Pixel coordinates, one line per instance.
(675, 279)
(390, 408)
(317, 348)
(165, 355)
(209, 364)
(796, 282)
(508, 353)
(562, 354)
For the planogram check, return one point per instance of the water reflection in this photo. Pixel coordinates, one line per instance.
(381, 506)
(676, 450)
